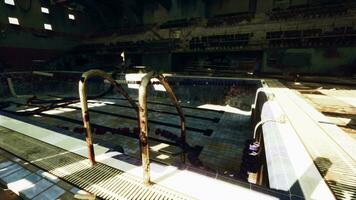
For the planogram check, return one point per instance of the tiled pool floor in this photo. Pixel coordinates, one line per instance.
(216, 135)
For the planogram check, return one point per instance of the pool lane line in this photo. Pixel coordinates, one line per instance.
(206, 132)
(167, 104)
(108, 129)
(215, 119)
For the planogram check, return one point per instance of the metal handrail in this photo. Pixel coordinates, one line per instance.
(144, 121)
(84, 104)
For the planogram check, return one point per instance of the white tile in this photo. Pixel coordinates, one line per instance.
(48, 176)
(37, 188)
(5, 164)
(16, 176)
(9, 170)
(52, 193)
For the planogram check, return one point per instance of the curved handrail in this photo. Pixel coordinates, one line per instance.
(144, 122)
(84, 104)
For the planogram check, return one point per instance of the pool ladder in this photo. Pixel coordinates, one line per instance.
(141, 111)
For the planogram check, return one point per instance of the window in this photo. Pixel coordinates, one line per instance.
(44, 10)
(48, 27)
(9, 2)
(14, 21)
(71, 16)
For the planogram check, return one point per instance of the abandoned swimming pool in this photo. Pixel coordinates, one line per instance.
(217, 112)
(235, 131)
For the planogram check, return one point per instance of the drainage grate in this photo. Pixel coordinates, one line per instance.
(101, 180)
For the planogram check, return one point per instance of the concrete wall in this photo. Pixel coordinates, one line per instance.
(264, 5)
(180, 9)
(227, 6)
(337, 61)
(158, 61)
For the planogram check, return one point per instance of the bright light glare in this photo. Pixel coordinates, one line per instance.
(9, 2)
(162, 157)
(159, 147)
(134, 77)
(28, 109)
(158, 87)
(59, 111)
(138, 77)
(20, 185)
(226, 108)
(72, 168)
(14, 21)
(71, 16)
(44, 10)
(47, 26)
(107, 156)
(49, 176)
(91, 104)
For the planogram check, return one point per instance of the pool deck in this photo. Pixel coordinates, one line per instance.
(327, 148)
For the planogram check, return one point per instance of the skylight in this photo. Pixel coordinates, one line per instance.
(14, 21)
(48, 27)
(71, 16)
(9, 2)
(44, 10)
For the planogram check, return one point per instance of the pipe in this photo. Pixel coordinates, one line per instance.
(84, 104)
(43, 73)
(269, 95)
(281, 120)
(12, 90)
(144, 121)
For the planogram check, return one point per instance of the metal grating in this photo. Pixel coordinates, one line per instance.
(101, 180)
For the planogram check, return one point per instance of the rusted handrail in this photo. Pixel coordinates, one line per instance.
(84, 104)
(144, 122)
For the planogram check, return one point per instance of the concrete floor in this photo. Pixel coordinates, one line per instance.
(336, 102)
